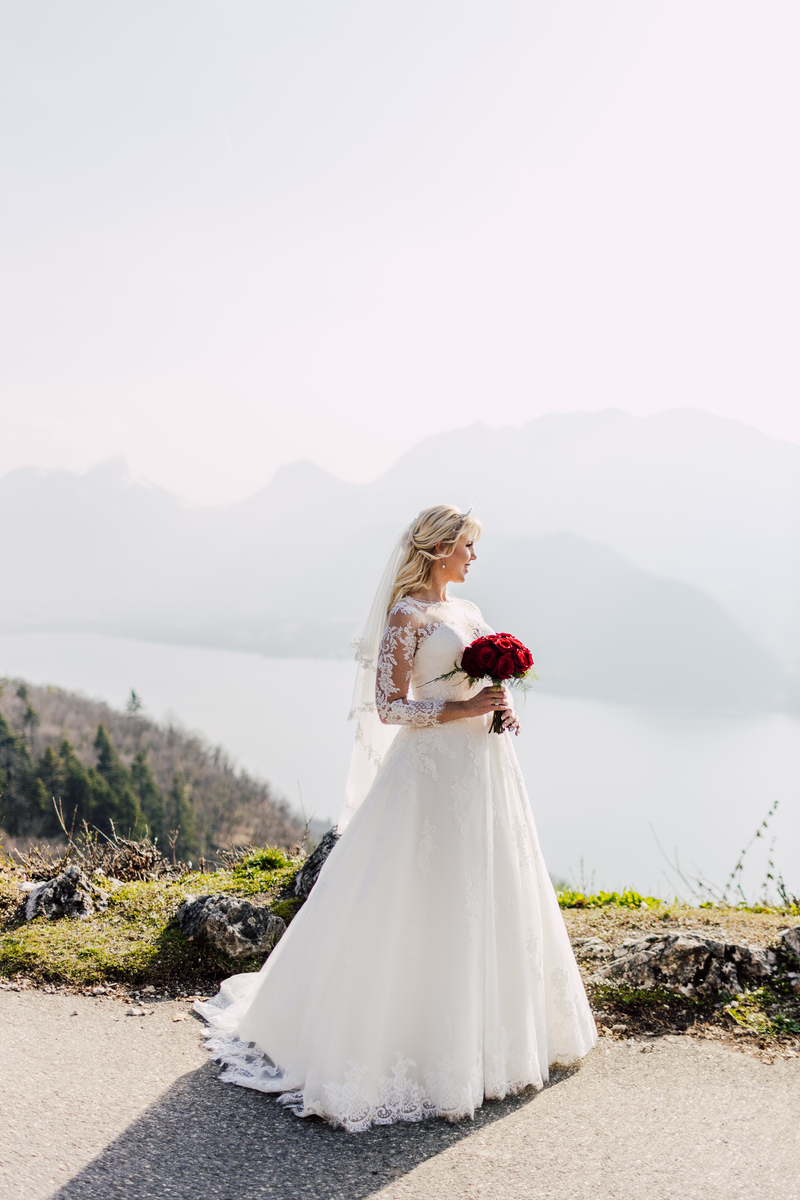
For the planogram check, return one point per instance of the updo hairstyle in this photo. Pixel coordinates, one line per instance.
(445, 524)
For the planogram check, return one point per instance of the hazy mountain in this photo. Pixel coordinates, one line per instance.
(602, 629)
(652, 559)
(684, 494)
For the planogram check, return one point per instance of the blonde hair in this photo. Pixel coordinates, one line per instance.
(443, 524)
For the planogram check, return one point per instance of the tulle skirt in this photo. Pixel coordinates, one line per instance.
(430, 967)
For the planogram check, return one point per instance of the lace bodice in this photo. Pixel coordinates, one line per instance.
(422, 641)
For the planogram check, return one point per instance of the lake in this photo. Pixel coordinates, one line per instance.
(605, 781)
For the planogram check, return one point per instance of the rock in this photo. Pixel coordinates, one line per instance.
(308, 874)
(755, 961)
(689, 963)
(149, 990)
(592, 947)
(235, 926)
(70, 894)
(790, 943)
(98, 991)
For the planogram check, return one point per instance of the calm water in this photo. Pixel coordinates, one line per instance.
(604, 780)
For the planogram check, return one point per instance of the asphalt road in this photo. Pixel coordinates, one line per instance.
(100, 1106)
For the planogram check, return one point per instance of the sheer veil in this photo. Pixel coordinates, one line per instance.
(372, 737)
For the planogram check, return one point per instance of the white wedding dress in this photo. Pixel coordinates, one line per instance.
(430, 968)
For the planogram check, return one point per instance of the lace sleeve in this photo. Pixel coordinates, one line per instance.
(395, 659)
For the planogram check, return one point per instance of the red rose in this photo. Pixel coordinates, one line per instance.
(487, 657)
(522, 657)
(474, 659)
(504, 667)
(498, 655)
(469, 662)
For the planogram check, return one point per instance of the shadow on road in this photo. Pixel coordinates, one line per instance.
(204, 1140)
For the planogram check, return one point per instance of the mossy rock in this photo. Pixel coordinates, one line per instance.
(137, 939)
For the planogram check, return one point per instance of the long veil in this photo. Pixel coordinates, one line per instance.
(372, 737)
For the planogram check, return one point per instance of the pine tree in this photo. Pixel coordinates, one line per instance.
(115, 803)
(66, 778)
(30, 718)
(17, 783)
(50, 783)
(181, 817)
(150, 799)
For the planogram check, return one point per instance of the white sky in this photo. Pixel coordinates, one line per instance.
(238, 233)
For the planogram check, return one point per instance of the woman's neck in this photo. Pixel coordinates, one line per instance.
(431, 595)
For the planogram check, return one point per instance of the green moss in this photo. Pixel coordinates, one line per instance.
(252, 881)
(10, 898)
(765, 1011)
(267, 858)
(287, 909)
(624, 994)
(265, 883)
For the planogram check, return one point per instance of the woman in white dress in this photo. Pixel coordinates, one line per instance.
(430, 967)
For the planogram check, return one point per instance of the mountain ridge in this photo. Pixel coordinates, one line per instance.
(683, 497)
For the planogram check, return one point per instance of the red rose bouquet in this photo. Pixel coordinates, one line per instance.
(501, 658)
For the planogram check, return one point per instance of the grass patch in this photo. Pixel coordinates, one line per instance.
(570, 898)
(136, 940)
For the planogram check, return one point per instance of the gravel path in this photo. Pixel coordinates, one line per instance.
(100, 1106)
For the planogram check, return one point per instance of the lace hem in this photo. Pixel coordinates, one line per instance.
(245, 1065)
(347, 1105)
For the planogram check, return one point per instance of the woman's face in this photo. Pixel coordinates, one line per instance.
(456, 565)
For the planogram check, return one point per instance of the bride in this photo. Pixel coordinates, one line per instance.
(430, 967)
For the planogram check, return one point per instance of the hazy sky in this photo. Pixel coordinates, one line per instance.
(239, 233)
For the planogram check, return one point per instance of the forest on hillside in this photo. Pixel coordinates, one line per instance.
(121, 771)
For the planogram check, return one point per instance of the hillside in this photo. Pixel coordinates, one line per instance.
(222, 805)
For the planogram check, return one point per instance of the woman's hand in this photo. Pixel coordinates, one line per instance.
(511, 722)
(488, 700)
